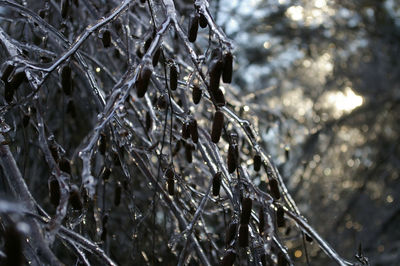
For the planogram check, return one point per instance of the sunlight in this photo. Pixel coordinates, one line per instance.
(345, 101)
(295, 13)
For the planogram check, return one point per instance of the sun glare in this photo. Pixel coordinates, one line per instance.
(345, 101)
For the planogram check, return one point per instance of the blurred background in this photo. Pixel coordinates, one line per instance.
(321, 81)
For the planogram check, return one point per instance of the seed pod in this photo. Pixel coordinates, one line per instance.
(17, 78)
(169, 173)
(66, 80)
(25, 120)
(75, 198)
(229, 258)
(233, 155)
(246, 210)
(273, 185)
(188, 152)
(288, 230)
(149, 121)
(65, 165)
(280, 220)
(156, 57)
(106, 38)
(230, 233)
(117, 194)
(215, 74)
(257, 162)
(216, 183)
(243, 235)
(64, 8)
(147, 44)
(8, 69)
(196, 94)
(261, 221)
(171, 186)
(102, 144)
(227, 70)
(54, 192)
(13, 247)
(185, 130)
(219, 97)
(308, 238)
(202, 21)
(287, 150)
(106, 174)
(193, 130)
(143, 81)
(173, 77)
(193, 28)
(218, 124)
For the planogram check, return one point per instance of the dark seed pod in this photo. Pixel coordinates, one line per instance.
(228, 65)
(232, 158)
(257, 162)
(246, 210)
(54, 152)
(25, 120)
(173, 77)
(66, 80)
(287, 150)
(147, 44)
(117, 194)
(308, 238)
(106, 38)
(219, 97)
(169, 173)
(149, 121)
(8, 69)
(243, 235)
(18, 78)
(162, 102)
(273, 185)
(218, 124)
(196, 94)
(143, 81)
(75, 198)
(193, 130)
(280, 220)
(171, 186)
(54, 192)
(261, 221)
(156, 57)
(229, 258)
(188, 152)
(65, 5)
(106, 174)
(288, 230)
(65, 165)
(13, 247)
(193, 28)
(215, 74)
(216, 183)
(202, 21)
(102, 144)
(185, 130)
(230, 233)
